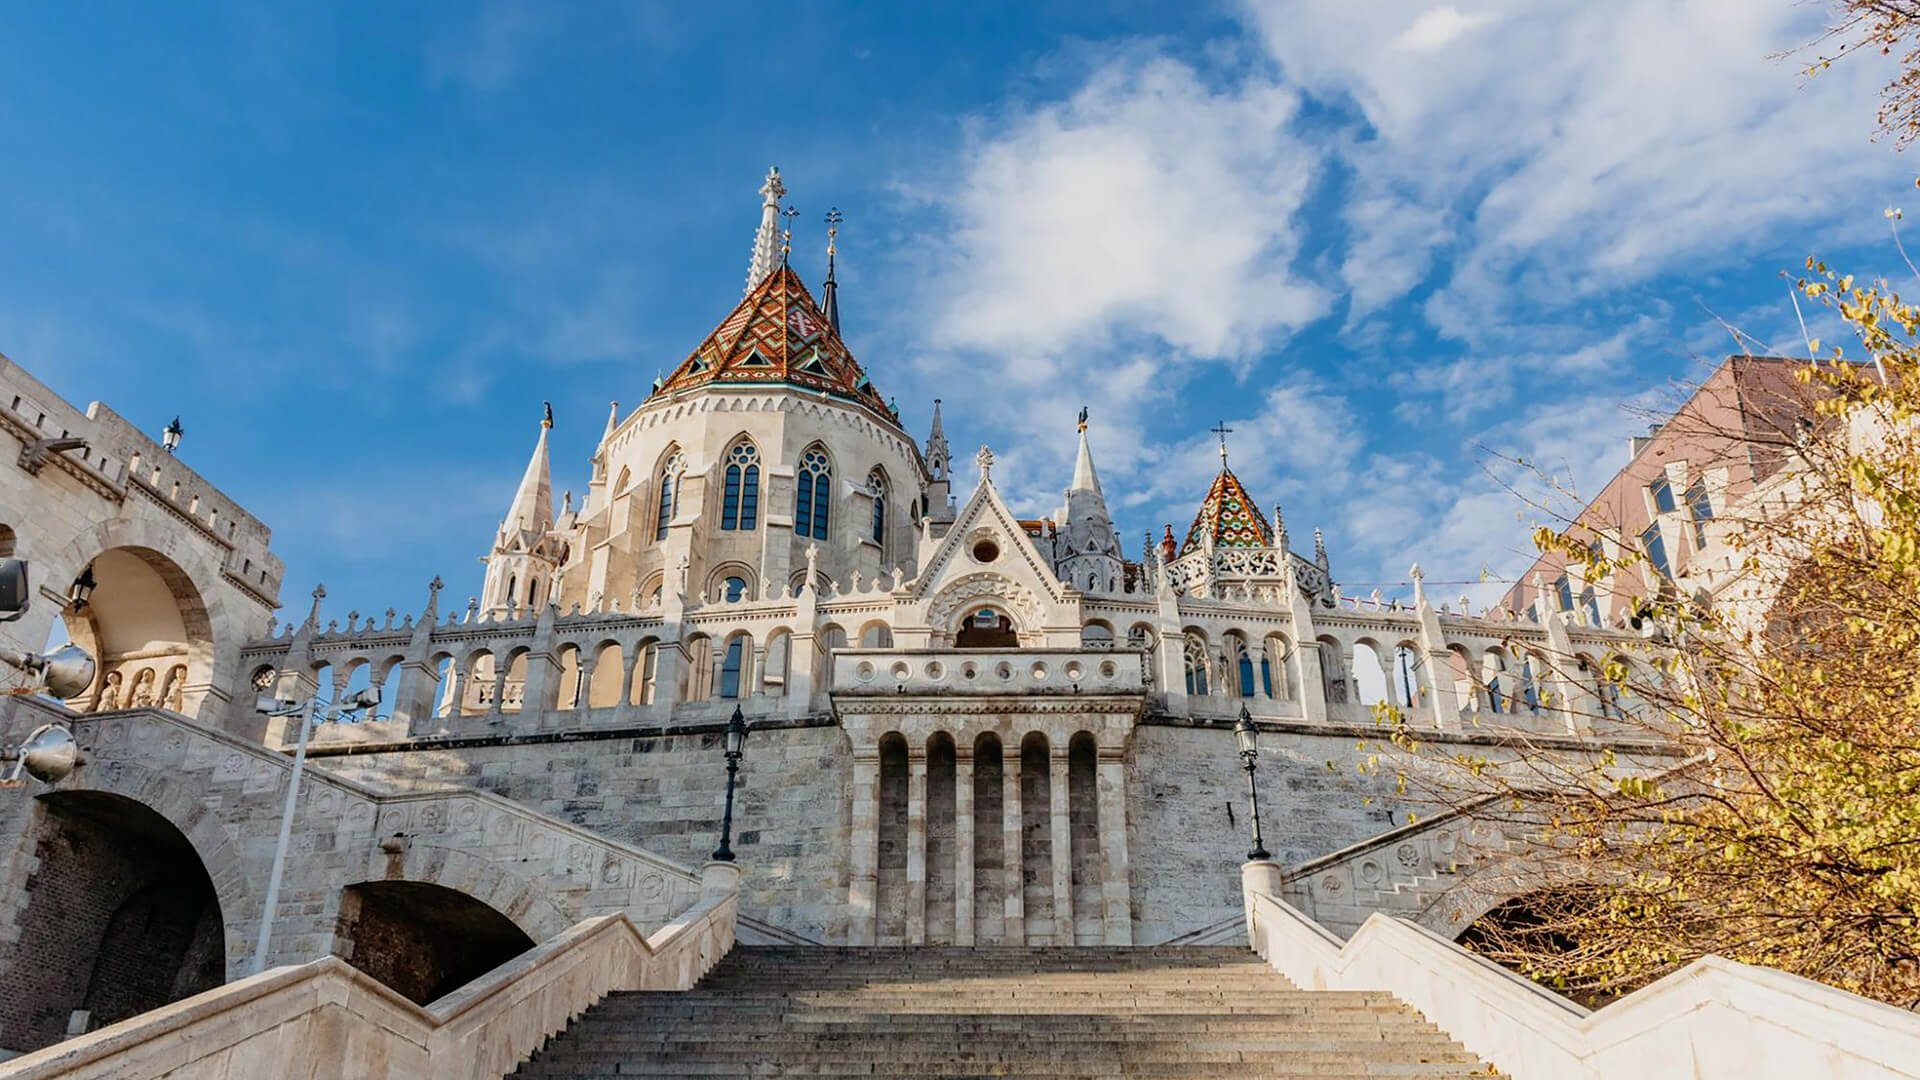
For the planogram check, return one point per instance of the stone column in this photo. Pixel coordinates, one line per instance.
(629, 660)
(963, 845)
(1116, 887)
(1010, 843)
(863, 883)
(1062, 845)
(916, 848)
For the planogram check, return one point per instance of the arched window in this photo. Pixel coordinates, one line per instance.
(1246, 672)
(740, 508)
(733, 589)
(669, 493)
(877, 487)
(730, 665)
(814, 489)
(1196, 659)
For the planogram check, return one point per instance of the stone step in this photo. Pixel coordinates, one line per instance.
(1210, 1011)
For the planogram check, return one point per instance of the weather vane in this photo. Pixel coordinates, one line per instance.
(786, 239)
(1221, 429)
(833, 220)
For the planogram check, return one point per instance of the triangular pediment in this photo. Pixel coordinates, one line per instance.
(957, 562)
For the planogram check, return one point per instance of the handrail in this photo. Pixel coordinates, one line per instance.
(330, 1014)
(1713, 1018)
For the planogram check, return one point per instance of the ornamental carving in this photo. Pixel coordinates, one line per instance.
(945, 610)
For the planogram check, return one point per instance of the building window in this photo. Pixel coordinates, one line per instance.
(877, 487)
(1702, 506)
(733, 589)
(1246, 672)
(1662, 493)
(730, 666)
(669, 494)
(740, 509)
(810, 506)
(1656, 549)
(1196, 667)
(1591, 603)
(1564, 590)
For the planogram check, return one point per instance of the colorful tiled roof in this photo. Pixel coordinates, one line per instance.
(778, 335)
(1229, 515)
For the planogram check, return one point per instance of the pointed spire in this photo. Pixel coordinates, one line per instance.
(1084, 476)
(939, 457)
(1167, 544)
(766, 241)
(830, 290)
(532, 507)
(613, 420)
(1319, 547)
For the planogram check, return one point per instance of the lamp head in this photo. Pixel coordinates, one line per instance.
(49, 754)
(362, 699)
(170, 435)
(67, 671)
(1247, 736)
(15, 595)
(736, 737)
(81, 590)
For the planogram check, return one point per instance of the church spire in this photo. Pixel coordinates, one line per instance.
(830, 289)
(1092, 558)
(1085, 479)
(766, 242)
(532, 507)
(939, 457)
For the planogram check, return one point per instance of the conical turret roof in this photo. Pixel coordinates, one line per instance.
(778, 335)
(532, 509)
(1228, 515)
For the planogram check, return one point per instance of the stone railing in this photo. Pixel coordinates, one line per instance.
(1406, 871)
(987, 671)
(1713, 1018)
(334, 1022)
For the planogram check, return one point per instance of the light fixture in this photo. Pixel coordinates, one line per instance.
(81, 590)
(48, 755)
(170, 435)
(735, 745)
(1248, 737)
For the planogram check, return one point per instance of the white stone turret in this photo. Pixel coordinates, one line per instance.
(1087, 554)
(939, 459)
(526, 553)
(766, 242)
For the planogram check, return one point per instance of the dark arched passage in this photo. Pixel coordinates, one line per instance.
(120, 917)
(423, 940)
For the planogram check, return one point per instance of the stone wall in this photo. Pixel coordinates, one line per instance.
(665, 793)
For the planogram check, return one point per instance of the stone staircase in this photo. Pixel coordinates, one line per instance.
(1005, 1012)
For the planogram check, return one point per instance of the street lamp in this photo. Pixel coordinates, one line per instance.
(81, 590)
(1248, 737)
(308, 712)
(170, 435)
(736, 742)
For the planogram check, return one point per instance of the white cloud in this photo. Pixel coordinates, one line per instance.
(1438, 28)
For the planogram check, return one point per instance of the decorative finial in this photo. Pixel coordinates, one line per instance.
(985, 460)
(833, 219)
(546, 419)
(1221, 429)
(786, 237)
(1083, 418)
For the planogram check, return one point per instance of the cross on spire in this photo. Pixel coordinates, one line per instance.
(1221, 429)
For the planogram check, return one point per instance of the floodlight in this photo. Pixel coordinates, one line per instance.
(48, 755)
(363, 699)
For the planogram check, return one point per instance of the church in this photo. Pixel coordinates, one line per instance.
(966, 723)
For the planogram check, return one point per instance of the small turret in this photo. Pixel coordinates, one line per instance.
(526, 553)
(1088, 555)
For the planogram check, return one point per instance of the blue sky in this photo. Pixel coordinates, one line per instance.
(354, 246)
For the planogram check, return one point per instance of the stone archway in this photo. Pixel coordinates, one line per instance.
(423, 940)
(147, 625)
(120, 916)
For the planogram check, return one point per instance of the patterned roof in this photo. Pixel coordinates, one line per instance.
(777, 334)
(1229, 515)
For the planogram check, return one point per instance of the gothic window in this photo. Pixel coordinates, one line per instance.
(1266, 673)
(877, 487)
(740, 508)
(733, 589)
(730, 665)
(1529, 691)
(1591, 604)
(815, 487)
(1196, 661)
(669, 493)
(1246, 674)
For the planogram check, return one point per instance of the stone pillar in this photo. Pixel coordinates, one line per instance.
(500, 669)
(413, 701)
(1062, 844)
(629, 661)
(1010, 843)
(916, 848)
(583, 679)
(1116, 887)
(1444, 709)
(863, 883)
(963, 845)
(1262, 876)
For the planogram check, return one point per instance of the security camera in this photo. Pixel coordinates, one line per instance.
(277, 706)
(15, 595)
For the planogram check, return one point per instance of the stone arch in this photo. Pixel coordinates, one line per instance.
(422, 939)
(876, 634)
(189, 575)
(119, 916)
(178, 800)
(718, 588)
(526, 901)
(974, 591)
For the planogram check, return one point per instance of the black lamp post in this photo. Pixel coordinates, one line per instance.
(1248, 737)
(735, 744)
(170, 435)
